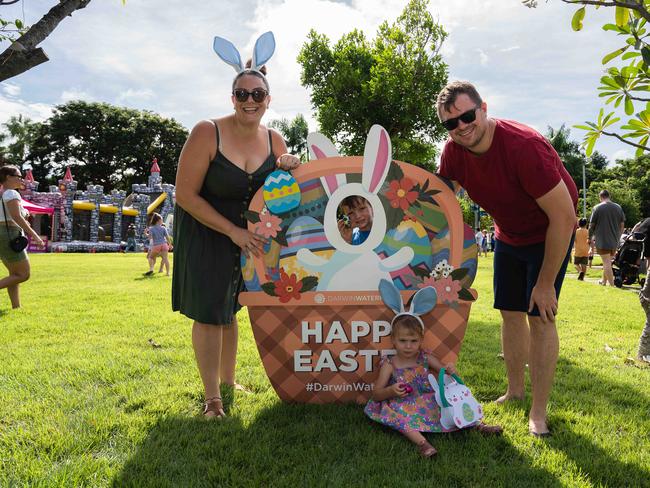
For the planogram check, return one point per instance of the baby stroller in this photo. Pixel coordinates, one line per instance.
(627, 259)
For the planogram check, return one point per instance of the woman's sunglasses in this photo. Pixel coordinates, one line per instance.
(466, 117)
(258, 94)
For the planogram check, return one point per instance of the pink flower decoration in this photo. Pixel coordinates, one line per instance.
(447, 289)
(269, 225)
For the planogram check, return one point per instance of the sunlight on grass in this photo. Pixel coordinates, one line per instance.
(86, 400)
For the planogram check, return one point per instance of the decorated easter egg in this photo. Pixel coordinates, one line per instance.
(281, 192)
(468, 413)
(303, 233)
(412, 234)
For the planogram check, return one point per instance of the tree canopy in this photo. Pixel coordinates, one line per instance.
(102, 144)
(295, 134)
(392, 80)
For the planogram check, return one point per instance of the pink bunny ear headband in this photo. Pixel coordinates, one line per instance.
(264, 49)
(422, 302)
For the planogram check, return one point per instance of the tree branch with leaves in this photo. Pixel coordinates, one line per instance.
(627, 85)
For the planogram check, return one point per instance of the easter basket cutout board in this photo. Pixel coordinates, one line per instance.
(319, 322)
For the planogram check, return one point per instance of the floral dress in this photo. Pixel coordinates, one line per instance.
(418, 411)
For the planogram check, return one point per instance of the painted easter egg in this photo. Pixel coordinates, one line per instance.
(281, 192)
(412, 234)
(468, 413)
(304, 233)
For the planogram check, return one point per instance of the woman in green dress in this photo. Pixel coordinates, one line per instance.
(222, 165)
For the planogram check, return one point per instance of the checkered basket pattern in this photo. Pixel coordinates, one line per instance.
(278, 334)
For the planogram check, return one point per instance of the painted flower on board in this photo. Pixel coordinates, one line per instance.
(401, 193)
(287, 287)
(269, 225)
(447, 289)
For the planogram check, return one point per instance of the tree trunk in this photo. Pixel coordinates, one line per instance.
(23, 54)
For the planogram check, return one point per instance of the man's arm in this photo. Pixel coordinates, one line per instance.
(558, 207)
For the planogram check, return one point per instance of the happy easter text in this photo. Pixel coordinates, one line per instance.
(348, 360)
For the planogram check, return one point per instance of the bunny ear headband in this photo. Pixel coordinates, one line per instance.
(264, 49)
(422, 302)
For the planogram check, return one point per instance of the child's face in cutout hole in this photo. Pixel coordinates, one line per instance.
(406, 342)
(359, 213)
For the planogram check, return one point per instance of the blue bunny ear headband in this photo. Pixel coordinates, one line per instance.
(264, 49)
(422, 302)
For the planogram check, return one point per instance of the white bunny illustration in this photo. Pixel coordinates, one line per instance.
(355, 267)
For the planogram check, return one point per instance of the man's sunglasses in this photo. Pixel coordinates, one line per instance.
(466, 117)
(258, 94)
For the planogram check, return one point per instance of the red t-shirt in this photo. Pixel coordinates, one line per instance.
(519, 167)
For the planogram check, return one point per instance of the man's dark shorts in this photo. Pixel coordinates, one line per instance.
(580, 260)
(515, 273)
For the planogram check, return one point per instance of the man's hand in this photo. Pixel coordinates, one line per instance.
(546, 300)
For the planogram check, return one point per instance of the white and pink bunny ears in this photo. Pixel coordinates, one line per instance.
(264, 49)
(422, 302)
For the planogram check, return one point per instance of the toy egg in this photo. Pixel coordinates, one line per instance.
(308, 233)
(281, 192)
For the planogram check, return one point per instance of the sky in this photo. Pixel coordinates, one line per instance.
(157, 55)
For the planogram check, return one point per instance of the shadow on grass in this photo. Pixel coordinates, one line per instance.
(336, 445)
(317, 445)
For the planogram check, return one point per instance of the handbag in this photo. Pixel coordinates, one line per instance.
(458, 407)
(19, 242)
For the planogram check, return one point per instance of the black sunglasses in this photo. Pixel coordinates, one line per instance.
(466, 117)
(258, 94)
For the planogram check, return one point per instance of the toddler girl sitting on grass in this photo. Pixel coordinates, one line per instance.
(402, 396)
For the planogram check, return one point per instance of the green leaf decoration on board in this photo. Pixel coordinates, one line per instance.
(252, 217)
(269, 289)
(308, 283)
(463, 294)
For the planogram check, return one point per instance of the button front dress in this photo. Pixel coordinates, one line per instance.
(207, 276)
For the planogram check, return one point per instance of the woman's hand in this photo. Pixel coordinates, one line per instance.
(39, 242)
(250, 243)
(287, 162)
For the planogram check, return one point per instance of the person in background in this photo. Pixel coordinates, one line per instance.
(12, 221)
(605, 228)
(130, 238)
(581, 249)
(643, 354)
(159, 245)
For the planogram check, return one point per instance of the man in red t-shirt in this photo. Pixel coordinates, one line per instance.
(512, 172)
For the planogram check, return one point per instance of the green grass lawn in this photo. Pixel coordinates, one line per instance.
(86, 400)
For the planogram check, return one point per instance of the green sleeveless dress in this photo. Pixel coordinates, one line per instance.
(207, 276)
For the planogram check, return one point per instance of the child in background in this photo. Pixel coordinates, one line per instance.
(581, 249)
(402, 397)
(159, 244)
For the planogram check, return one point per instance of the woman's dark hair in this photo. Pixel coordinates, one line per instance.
(408, 323)
(155, 218)
(8, 170)
(261, 74)
(582, 222)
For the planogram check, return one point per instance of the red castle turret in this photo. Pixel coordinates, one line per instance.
(154, 167)
(29, 177)
(68, 175)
